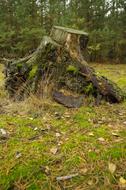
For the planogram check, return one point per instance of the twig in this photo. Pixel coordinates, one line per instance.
(62, 178)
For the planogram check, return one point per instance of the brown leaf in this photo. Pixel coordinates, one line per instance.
(112, 167)
(91, 134)
(58, 134)
(53, 150)
(83, 170)
(115, 134)
(90, 182)
(101, 139)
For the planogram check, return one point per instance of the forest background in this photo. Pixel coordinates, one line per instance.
(24, 22)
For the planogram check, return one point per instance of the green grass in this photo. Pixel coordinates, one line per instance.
(117, 72)
(33, 133)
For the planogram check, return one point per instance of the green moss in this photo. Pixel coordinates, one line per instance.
(93, 156)
(116, 152)
(22, 172)
(33, 72)
(102, 131)
(81, 121)
(19, 65)
(72, 69)
(89, 89)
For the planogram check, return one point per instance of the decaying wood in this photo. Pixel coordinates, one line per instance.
(59, 58)
(68, 100)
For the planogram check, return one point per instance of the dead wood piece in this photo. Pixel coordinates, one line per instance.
(68, 101)
(62, 178)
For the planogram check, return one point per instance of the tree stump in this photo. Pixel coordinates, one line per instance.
(58, 61)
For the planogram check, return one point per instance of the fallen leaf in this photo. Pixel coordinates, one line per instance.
(53, 150)
(101, 139)
(3, 132)
(115, 134)
(49, 127)
(60, 143)
(36, 128)
(83, 170)
(18, 155)
(110, 125)
(67, 116)
(90, 182)
(57, 115)
(91, 134)
(90, 150)
(45, 169)
(122, 182)
(58, 134)
(121, 114)
(100, 122)
(112, 167)
(66, 139)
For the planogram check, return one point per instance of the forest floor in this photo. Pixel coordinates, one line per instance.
(41, 140)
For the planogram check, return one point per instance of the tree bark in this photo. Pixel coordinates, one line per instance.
(59, 61)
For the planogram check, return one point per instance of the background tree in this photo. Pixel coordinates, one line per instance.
(23, 23)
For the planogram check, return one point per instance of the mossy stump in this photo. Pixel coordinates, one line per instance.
(58, 62)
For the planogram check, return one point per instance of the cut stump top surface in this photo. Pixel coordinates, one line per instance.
(62, 35)
(70, 30)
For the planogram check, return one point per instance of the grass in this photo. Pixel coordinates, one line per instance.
(86, 140)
